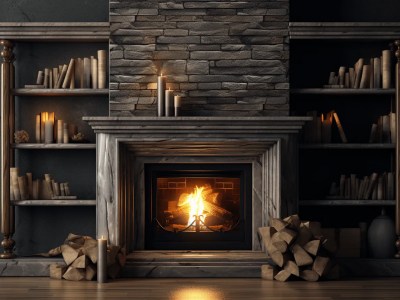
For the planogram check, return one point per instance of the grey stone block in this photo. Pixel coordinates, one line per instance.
(137, 55)
(170, 5)
(234, 85)
(178, 39)
(246, 70)
(171, 55)
(141, 32)
(214, 55)
(197, 67)
(174, 67)
(130, 63)
(209, 86)
(176, 32)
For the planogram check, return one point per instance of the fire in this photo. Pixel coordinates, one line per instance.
(195, 201)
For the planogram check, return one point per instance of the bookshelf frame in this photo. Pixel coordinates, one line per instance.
(10, 33)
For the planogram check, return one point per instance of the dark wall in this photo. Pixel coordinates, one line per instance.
(54, 10)
(39, 229)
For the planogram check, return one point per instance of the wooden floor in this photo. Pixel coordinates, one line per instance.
(198, 289)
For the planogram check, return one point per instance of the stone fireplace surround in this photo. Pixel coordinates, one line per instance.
(126, 144)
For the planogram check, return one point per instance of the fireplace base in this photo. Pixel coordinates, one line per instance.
(195, 264)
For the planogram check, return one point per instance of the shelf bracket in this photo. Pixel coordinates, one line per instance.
(7, 159)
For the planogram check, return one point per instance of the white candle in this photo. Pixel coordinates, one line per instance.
(161, 95)
(177, 105)
(60, 136)
(48, 131)
(169, 104)
(37, 133)
(65, 133)
(102, 260)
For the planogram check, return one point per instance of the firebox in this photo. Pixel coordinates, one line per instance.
(202, 206)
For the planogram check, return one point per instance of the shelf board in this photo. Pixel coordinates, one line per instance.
(344, 91)
(348, 146)
(347, 202)
(344, 30)
(54, 146)
(60, 92)
(53, 202)
(55, 31)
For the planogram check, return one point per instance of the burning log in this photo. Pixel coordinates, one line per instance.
(298, 249)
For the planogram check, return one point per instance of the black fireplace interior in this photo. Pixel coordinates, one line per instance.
(198, 206)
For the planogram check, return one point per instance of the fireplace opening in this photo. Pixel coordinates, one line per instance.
(198, 206)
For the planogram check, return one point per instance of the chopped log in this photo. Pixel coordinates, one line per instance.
(90, 243)
(181, 211)
(91, 252)
(281, 246)
(74, 274)
(75, 241)
(69, 254)
(309, 275)
(55, 251)
(91, 271)
(217, 211)
(183, 200)
(312, 247)
(278, 224)
(215, 198)
(265, 234)
(293, 221)
(112, 252)
(81, 262)
(320, 265)
(292, 268)
(315, 228)
(304, 235)
(287, 235)
(279, 258)
(57, 271)
(282, 275)
(268, 272)
(301, 257)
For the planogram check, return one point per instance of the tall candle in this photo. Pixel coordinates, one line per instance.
(60, 135)
(177, 105)
(65, 133)
(169, 103)
(37, 133)
(161, 95)
(48, 131)
(102, 260)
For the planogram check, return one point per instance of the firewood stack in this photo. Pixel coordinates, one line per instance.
(80, 257)
(298, 249)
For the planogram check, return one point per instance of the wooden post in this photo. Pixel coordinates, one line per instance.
(397, 170)
(7, 128)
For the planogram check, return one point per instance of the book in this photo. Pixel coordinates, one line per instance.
(372, 181)
(78, 73)
(364, 82)
(46, 78)
(342, 72)
(55, 77)
(102, 67)
(61, 77)
(371, 73)
(51, 84)
(386, 69)
(377, 73)
(86, 73)
(94, 72)
(351, 77)
(358, 72)
(392, 121)
(40, 78)
(14, 183)
(68, 74)
(340, 127)
(386, 129)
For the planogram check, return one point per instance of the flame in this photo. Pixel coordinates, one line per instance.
(196, 204)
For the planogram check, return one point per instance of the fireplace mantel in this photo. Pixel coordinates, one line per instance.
(125, 144)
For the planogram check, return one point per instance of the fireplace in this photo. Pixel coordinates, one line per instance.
(148, 167)
(198, 206)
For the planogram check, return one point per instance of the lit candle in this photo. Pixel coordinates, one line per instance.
(102, 260)
(177, 105)
(161, 95)
(48, 131)
(37, 133)
(169, 104)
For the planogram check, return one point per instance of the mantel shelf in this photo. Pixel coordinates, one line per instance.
(60, 92)
(53, 202)
(54, 146)
(344, 91)
(347, 202)
(344, 30)
(348, 146)
(55, 31)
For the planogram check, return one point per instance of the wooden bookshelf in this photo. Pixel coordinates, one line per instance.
(59, 92)
(347, 202)
(69, 146)
(76, 202)
(348, 146)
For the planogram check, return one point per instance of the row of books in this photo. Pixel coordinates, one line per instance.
(384, 130)
(25, 187)
(372, 73)
(372, 187)
(84, 73)
(319, 130)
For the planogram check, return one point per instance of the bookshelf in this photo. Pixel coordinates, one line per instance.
(27, 48)
(321, 43)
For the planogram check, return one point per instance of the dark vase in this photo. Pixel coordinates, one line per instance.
(381, 237)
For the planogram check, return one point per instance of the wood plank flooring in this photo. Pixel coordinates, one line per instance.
(198, 289)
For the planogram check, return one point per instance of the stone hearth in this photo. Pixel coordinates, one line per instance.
(126, 144)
